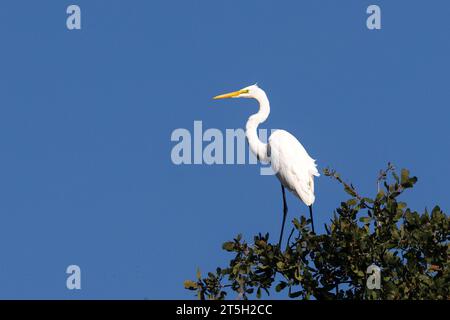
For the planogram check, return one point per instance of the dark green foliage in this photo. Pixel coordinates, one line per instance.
(411, 249)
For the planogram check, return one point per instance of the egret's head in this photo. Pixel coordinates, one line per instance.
(247, 92)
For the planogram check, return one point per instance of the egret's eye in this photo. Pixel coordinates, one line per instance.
(244, 91)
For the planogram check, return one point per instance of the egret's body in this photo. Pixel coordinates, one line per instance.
(296, 175)
(292, 164)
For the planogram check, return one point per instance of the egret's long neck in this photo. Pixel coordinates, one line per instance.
(258, 147)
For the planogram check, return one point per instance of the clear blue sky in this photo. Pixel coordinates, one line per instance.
(86, 117)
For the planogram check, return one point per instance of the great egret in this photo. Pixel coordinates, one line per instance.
(292, 164)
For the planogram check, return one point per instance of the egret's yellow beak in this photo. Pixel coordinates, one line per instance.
(228, 95)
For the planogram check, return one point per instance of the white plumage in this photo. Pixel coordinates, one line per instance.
(292, 164)
(294, 167)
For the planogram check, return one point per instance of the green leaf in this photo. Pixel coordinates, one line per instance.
(349, 190)
(404, 176)
(280, 265)
(296, 223)
(258, 293)
(395, 177)
(294, 295)
(365, 219)
(368, 200)
(406, 181)
(228, 246)
(380, 195)
(190, 285)
(280, 286)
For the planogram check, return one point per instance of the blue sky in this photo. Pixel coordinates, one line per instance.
(86, 117)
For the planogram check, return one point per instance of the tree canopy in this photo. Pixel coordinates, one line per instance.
(410, 249)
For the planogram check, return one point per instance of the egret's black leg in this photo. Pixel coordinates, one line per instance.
(285, 210)
(311, 216)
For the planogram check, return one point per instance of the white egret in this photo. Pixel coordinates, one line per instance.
(292, 164)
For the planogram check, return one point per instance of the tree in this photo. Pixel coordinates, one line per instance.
(410, 248)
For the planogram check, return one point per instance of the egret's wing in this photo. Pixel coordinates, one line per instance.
(293, 165)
